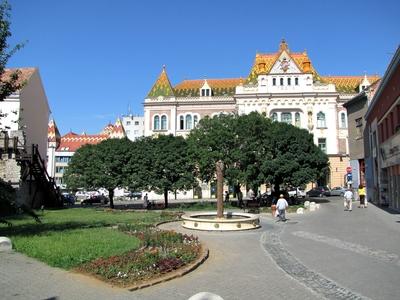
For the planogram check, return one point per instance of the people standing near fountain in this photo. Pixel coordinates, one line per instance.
(226, 196)
(281, 206)
(146, 201)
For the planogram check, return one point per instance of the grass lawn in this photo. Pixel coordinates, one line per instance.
(69, 237)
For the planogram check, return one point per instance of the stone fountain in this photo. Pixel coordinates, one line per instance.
(220, 221)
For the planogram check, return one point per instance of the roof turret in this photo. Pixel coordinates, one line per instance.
(162, 87)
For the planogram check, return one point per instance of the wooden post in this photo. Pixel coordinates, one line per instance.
(220, 189)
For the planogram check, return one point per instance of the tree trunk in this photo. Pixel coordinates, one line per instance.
(220, 189)
(111, 196)
(276, 189)
(166, 198)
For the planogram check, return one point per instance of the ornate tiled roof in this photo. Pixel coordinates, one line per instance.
(72, 141)
(264, 62)
(162, 87)
(53, 135)
(348, 84)
(118, 131)
(220, 87)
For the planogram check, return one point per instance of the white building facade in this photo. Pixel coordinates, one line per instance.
(283, 85)
(134, 126)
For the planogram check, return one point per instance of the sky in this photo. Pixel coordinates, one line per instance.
(98, 59)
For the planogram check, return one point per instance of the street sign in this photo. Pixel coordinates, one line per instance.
(348, 169)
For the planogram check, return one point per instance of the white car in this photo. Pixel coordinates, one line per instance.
(297, 192)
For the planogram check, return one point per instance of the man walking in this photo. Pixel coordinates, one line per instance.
(281, 206)
(348, 198)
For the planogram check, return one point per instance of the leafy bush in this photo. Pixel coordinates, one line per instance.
(7, 199)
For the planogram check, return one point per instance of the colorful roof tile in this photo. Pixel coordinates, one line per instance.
(220, 87)
(53, 135)
(348, 84)
(72, 141)
(118, 131)
(162, 87)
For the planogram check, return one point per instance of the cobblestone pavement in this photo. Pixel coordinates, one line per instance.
(326, 254)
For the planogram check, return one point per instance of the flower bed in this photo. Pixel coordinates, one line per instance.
(161, 252)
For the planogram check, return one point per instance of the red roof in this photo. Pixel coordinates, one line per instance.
(72, 141)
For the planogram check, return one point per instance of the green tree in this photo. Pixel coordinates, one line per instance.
(8, 84)
(212, 146)
(161, 164)
(100, 166)
(293, 158)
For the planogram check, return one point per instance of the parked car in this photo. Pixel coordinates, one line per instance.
(68, 199)
(338, 191)
(321, 191)
(135, 195)
(300, 193)
(95, 199)
(80, 195)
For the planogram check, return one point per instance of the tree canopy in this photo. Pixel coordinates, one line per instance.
(100, 166)
(161, 164)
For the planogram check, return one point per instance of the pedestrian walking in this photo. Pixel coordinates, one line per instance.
(281, 206)
(361, 195)
(146, 201)
(348, 198)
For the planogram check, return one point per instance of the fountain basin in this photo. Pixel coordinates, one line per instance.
(232, 221)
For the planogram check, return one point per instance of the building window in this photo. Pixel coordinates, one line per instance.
(205, 92)
(195, 120)
(289, 81)
(136, 132)
(136, 122)
(63, 159)
(189, 122)
(156, 124)
(343, 123)
(128, 122)
(128, 132)
(297, 120)
(321, 122)
(286, 118)
(164, 122)
(296, 81)
(181, 123)
(281, 81)
(273, 81)
(359, 128)
(322, 144)
(274, 116)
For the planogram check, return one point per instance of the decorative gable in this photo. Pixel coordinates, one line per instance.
(285, 65)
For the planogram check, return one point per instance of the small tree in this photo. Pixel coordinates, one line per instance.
(212, 145)
(161, 164)
(12, 83)
(101, 165)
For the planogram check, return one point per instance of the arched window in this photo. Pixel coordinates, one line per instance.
(189, 124)
(181, 123)
(281, 81)
(274, 116)
(273, 81)
(289, 81)
(164, 122)
(195, 120)
(286, 117)
(343, 123)
(156, 124)
(321, 121)
(296, 81)
(297, 120)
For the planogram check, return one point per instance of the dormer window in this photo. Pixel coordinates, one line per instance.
(281, 81)
(273, 81)
(289, 81)
(296, 81)
(205, 90)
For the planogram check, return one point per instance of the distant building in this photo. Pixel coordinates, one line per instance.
(356, 109)
(382, 149)
(134, 126)
(61, 149)
(284, 85)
